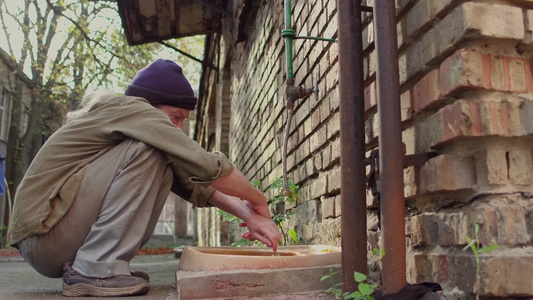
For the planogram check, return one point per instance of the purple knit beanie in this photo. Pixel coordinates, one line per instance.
(162, 82)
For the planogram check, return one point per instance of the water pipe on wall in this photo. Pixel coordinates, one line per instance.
(293, 92)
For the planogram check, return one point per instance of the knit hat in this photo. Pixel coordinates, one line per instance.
(163, 82)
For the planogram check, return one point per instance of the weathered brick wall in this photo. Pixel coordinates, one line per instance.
(258, 113)
(465, 76)
(213, 136)
(466, 83)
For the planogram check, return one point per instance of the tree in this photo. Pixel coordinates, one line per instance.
(57, 49)
(66, 48)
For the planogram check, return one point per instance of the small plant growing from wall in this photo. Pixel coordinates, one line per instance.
(277, 201)
(365, 289)
(475, 245)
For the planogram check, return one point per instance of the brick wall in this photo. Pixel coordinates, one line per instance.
(465, 76)
(258, 114)
(466, 83)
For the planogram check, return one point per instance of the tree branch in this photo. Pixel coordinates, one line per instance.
(12, 65)
(81, 29)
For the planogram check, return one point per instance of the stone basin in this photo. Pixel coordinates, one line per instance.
(255, 258)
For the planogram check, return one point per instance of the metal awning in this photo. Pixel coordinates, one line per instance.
(147, 21)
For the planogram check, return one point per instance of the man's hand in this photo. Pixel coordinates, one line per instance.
(261, 209)
(262, 229)
(255, 216)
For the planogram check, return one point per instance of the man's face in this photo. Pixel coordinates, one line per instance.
(177, 115)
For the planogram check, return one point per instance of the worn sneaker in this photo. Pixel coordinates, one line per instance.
(68, 266)
(141, 274)
(77, 285)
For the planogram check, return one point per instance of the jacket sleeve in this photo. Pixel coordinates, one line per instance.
(194, 167)
(196, 194)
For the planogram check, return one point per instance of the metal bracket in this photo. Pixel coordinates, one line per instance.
(220, 9)
(215, 7)
(408, 160)
(368, 9)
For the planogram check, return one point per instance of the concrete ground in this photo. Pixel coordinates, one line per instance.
(19, 281)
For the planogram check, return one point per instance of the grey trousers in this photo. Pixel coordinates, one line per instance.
(114, 214)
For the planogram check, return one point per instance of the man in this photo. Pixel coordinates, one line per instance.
(93, 194)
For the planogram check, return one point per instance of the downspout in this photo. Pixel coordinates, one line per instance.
(390, 144)
(352, 143)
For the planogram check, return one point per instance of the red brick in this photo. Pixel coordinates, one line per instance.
(422, 230)
(529, 78)
(446, 173)
(488, 218)
(452, 121)
(517, 74)
(462, 70)
(475, 117)
(506, 275)
(466, 118)
(494, 72)
(513, 228)
(426, 91)
(520, 165)
(469, 69)
(495, 118)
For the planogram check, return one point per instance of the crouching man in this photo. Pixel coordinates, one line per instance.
(93, 194)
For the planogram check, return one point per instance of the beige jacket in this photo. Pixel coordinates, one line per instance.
(52, 181)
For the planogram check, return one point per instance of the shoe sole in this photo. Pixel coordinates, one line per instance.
(82, 289)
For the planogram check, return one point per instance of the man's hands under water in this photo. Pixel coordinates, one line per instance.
(261, 227)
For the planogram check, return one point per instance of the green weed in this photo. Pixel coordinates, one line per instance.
(475, 245)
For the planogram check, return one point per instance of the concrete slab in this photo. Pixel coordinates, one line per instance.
(261, 284)
(18, 281)
(307, 296)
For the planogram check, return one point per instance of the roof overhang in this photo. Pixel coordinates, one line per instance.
(147, 21)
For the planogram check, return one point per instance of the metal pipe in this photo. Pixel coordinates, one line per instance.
(390, 145)
(288, 33)
(286, 188)
(210, 65)
(353, 178)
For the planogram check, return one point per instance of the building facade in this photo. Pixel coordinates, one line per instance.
(8, 96)
(466, 95)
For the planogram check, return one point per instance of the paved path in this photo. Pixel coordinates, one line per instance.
(18, 281)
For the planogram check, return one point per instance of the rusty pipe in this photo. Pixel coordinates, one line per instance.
(390, 143)
(352, 139)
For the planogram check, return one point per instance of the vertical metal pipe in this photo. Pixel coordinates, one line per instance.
(390, 146)
(353, 179)
(288, 38)
(288, 34)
